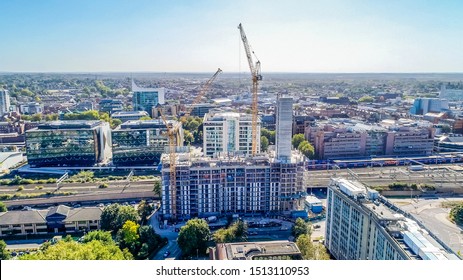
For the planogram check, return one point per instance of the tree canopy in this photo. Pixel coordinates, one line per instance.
(456, 214)
(4, 254)
(100, 235)
(297, 139)
(306, 149)
(193, 237)
(3, 207)
(72, 250)
(115, 216)
(237, 232)
(263, 143)
(144, 210)
(310, 250)
(269, 134)
(301, 227)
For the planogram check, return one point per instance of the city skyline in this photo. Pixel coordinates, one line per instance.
(294, 36)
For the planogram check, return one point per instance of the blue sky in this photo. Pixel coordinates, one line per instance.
(200, 36)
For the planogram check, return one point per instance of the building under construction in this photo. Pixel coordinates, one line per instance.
(225, 185)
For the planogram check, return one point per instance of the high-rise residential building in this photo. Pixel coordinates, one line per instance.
(228, 132)
(362, 225)
(4, 101)
(144, 99)
(212, 186)
(422, 106)
(142, 142)
(284, 125)
(69, 143)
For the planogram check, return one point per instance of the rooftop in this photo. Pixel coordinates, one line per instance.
(146, 124)
(128, 114)
(77, 124)
(251, 250)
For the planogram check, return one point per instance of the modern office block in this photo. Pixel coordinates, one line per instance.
(144, 99)
(142, 142)
(69, 143)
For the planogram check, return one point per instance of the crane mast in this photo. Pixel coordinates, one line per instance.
(256, 77)
(172, 164)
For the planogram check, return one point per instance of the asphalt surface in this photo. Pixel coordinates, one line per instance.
(435, 218)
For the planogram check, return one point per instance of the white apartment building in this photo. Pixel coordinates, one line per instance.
(362, 225)
(228, 132)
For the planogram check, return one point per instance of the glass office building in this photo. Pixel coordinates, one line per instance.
(69, 143)
(142, 142)
(144, 99)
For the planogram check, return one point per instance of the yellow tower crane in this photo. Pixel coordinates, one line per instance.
(172, 165)
(171, 131)
(256, 77)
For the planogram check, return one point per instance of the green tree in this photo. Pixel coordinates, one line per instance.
(193, 237)
(37, 117)
(188, 136)
(301, 227)
(456, 214)
(263, 143)
(306, 149)
(51, 117)
(366, 98)
(144, 210)
(145, 118)
(115, 123)
(3, 207)
(311, 251)
(4, 254)
(297, 139)
(192, 125)
(93, 250)
(237, 232)
(149, 241)
(157, 187)
(270, 134)
(100, 235)
(115, 216)
(129, 233)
